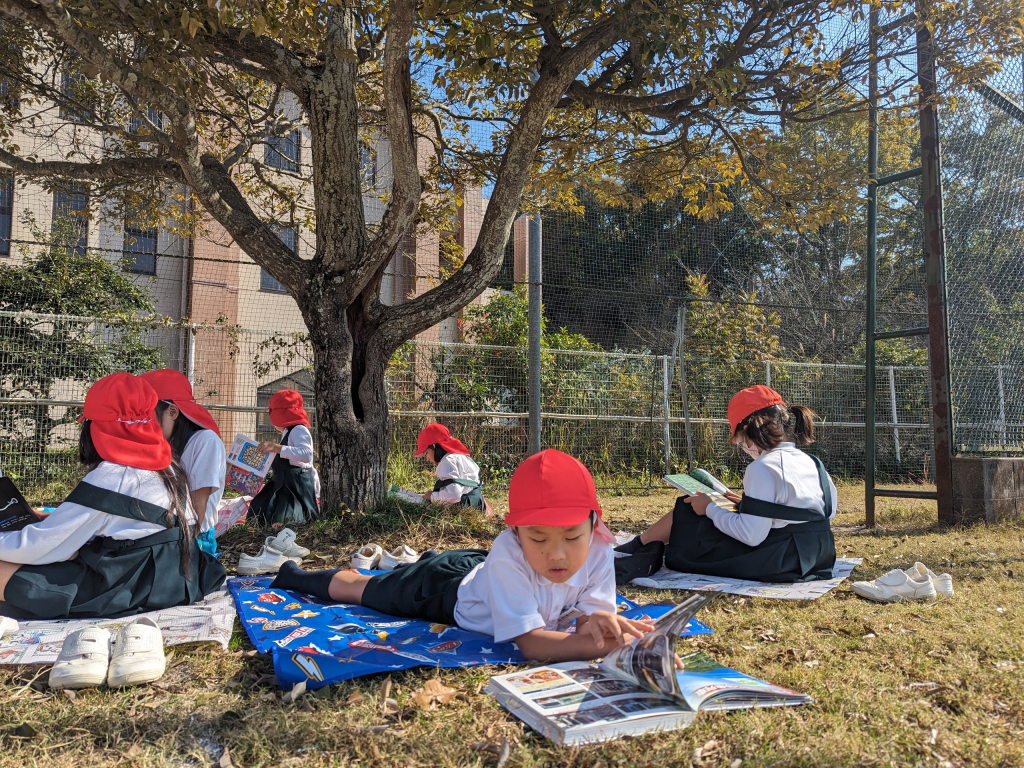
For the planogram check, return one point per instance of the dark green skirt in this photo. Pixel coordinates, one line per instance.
(426, 590)
(288, 496)
(799, 552)
(113, 578)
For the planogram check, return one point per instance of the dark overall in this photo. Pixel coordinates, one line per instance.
(793, 553)
(288, 495)
(474, 497)
(110, 577)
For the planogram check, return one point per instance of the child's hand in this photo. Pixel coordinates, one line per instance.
(268, 447)
(733, 497)
(699, 502)
(602, 624)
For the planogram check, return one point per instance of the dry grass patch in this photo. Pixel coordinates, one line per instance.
(906, 684)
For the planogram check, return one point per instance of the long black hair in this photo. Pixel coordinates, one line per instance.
(776, 424)
(174, 479)
(183, 430)
(439, 452)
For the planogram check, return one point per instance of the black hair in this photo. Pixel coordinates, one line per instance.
(174, 480)
(439, 452)
(183, 430)
(776, 424)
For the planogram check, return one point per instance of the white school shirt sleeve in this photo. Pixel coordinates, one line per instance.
(205, 463)
(758, 483)
(299, 450)
(599, 594)
(54, 539)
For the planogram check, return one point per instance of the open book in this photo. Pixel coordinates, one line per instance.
(247, 465)
(636, 689)
(691, 485)
(407, 495)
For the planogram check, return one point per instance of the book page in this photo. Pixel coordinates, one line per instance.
(691, 486)
(245, 453)
(706, 684)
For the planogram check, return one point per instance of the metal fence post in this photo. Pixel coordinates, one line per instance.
(665, 405)
(1002, 407)
(681, 340)
(895, 417)
(872, 275)
(534, 297)
(768, 372)
(190, 357)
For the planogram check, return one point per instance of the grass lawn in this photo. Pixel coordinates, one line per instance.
(905, 684)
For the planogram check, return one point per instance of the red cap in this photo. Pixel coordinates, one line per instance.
(551, 488)
(439, 434)
(121, 409)
(751, 400)
(286, 409)
(172, 385)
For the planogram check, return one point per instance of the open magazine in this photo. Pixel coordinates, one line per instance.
(247, 465)
(636, 689)
(691, 485)
(407, 495)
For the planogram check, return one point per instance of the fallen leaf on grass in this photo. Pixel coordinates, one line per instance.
(390, 707)
(812, 664)
(71, 695)
(355, 698)
(225, 759)
(25, 731)
(749, 647)
(433, 694)
(385, 693)
(297, 690)
(503, 754)
(1005, 666)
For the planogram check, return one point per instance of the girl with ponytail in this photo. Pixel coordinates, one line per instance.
(781, 530)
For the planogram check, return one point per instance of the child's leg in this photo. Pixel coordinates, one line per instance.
(6, 571)
(660, 531)
(334, 584)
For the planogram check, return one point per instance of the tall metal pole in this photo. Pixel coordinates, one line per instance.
(534, 296)
(935, 270)
(681, 325)
(872, 275)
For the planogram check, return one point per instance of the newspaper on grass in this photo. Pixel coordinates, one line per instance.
(636, 689)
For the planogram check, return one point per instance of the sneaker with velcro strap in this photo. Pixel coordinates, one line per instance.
(895, 586)
(83, 659)
(137, 654)
(401, 554)
(367, 557)
(268, 560)
(942, 582)
(284, 543)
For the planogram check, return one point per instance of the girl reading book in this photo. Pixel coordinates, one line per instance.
(458, 476)
(123, 541)
(290, 493)
(196, 445)
(781, 530)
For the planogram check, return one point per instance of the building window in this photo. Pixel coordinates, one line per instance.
(139, 249)
(6, 212)
(283, 152)
(367, 166)
(70, 222)
(289, 236)
(136, 123)
(76, 93)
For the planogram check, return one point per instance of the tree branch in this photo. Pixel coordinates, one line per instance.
(108, 169)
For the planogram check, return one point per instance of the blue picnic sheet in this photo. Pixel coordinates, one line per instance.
(323, 643)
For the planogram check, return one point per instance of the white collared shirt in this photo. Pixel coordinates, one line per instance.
(460, 467)
(784, 475)
(506, 598)
(299, 448)
(71, 526)
(205, 463)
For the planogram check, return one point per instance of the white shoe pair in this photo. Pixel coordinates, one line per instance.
(276, 551)
(90, 656)
(916, 583)
(373, 557)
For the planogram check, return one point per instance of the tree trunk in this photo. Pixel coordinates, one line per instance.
(353, 426)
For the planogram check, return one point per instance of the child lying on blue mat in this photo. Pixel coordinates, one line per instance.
(551, 567)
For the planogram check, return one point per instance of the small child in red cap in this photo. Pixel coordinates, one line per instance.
(782, 530)
(292, 490)
(458, 476)
(123, 541)
(550, 568)
(196, 445)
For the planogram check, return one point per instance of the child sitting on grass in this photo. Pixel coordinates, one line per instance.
(458, 476)
(782, 529)
(553, 565)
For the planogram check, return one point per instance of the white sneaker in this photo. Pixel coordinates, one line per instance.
(83, 659)
(284, 543)
(267, 561)
(402, 554)
(137, 654)
(368, 557)
(943, 583)
(894, 586)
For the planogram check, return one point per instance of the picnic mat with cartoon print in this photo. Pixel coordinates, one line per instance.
(209, 620)
(323, 643)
